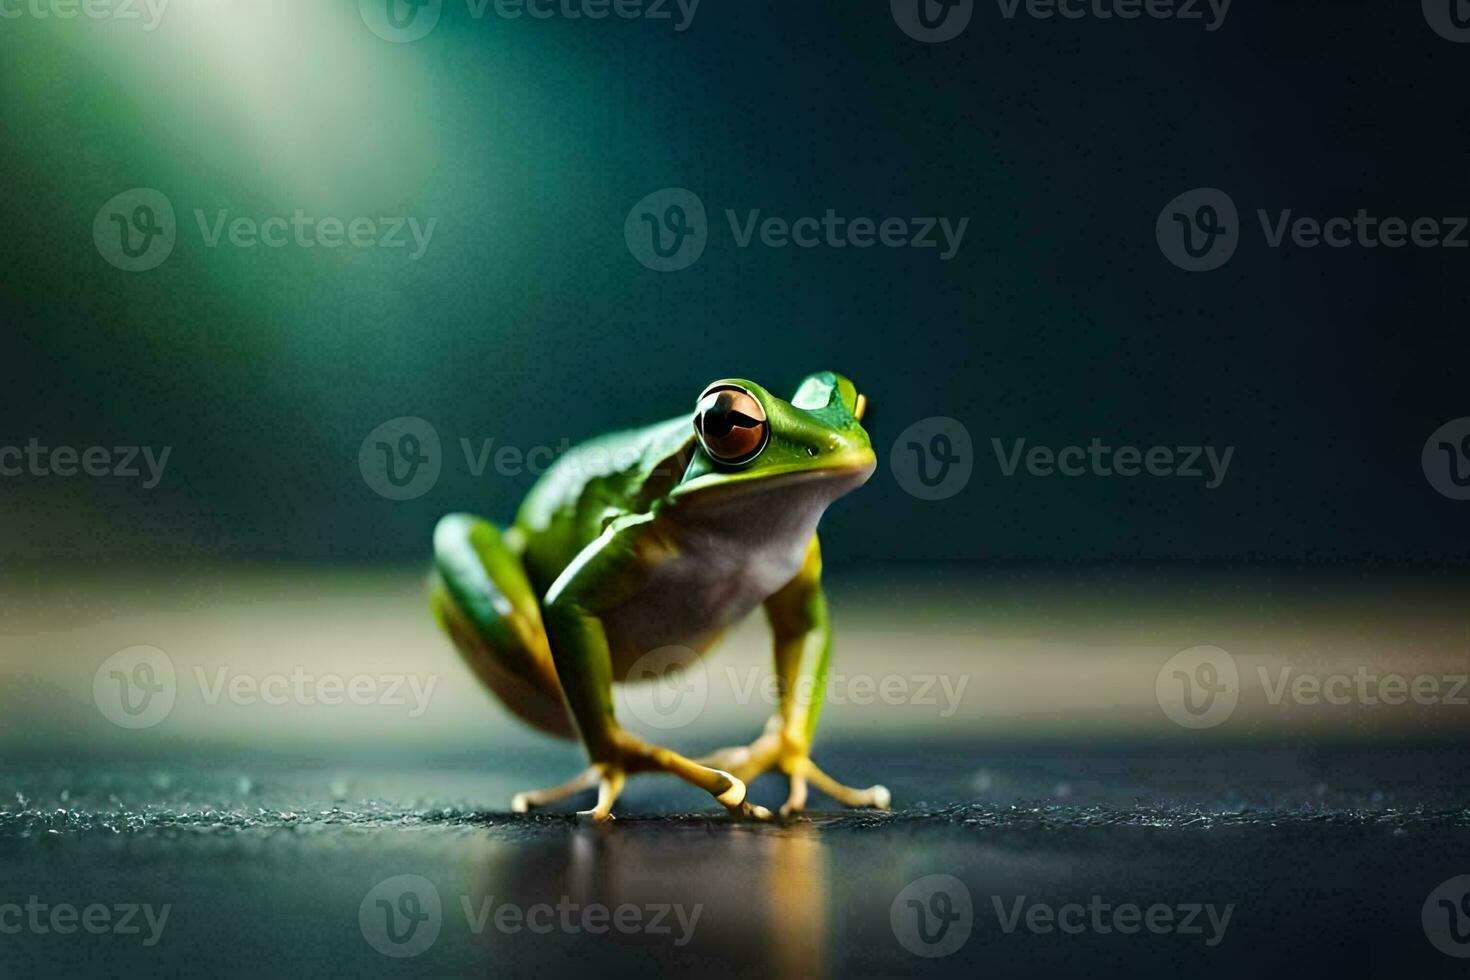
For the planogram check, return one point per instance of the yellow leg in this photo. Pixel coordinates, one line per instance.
(802, 631)
(583, 663)
(607, 793)
(796, 796)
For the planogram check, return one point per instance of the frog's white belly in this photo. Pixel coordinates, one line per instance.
(730, 557)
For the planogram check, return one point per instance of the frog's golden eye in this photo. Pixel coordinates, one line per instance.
(731, 424)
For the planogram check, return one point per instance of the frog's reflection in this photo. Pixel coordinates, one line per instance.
(710, 895)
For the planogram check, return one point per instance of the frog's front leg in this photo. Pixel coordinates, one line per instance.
(579, 649)
(802, 633)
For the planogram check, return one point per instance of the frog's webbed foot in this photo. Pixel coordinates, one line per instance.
(772, 751)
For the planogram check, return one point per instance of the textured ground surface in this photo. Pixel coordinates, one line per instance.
(1323, 857)
(1050, 784)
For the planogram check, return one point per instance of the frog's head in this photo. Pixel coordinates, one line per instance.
(747, 438)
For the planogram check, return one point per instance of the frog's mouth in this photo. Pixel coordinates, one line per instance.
(841, 474)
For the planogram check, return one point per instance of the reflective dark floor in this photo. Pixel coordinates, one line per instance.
(1128, 859)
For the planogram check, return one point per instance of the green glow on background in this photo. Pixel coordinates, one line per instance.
(292, 103)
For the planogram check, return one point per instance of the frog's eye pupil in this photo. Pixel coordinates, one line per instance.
(722, 424)
(731, 424)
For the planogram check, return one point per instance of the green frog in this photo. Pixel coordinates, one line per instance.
(656, 537)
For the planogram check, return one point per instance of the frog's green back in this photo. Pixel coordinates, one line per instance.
(603, 478)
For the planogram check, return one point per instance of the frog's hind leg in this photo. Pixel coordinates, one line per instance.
(484, 601)
(482, 598)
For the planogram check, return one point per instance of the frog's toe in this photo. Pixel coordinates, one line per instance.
(584, 780)
(733, 794)
(796, 798)
(735, 801)
(608, 790)
(875, 797)
(751, 811)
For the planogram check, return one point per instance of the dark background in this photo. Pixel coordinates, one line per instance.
(529, 321)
